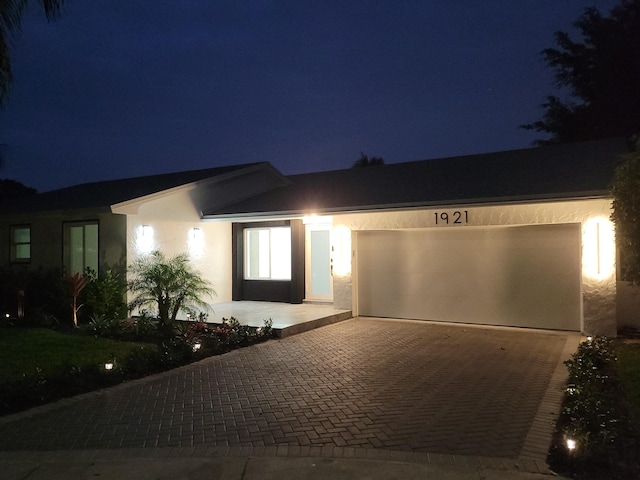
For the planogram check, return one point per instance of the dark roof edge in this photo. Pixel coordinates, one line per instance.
(480, 202)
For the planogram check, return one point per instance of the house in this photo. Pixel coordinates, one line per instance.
(516, 238)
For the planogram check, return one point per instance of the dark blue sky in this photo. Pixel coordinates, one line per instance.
(119, 88)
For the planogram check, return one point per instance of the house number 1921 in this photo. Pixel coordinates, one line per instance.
(458, 217)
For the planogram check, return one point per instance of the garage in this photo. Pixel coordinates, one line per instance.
(524, 276)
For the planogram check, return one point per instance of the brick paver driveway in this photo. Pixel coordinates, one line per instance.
(371, 383)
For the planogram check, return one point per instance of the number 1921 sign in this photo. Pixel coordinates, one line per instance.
(457, 217)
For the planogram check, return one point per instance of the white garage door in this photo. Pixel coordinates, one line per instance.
(526, 276)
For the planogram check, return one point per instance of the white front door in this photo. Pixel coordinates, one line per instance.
(318, 281)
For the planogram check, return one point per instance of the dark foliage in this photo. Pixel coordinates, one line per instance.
(366, 161)
(602, 74)
(34, 297)
(595, 414)
(14, 189)
(626, 215)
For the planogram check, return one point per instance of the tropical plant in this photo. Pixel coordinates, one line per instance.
(76, 283)
(169, 284)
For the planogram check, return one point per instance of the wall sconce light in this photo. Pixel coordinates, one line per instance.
(598, 248)
(341, 250)
(144, 240)
(195, 241)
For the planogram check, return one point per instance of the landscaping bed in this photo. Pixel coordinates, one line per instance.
(39, 365)
(598, 431)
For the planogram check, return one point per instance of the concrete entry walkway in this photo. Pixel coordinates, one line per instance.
(397, 386)
(287, 318)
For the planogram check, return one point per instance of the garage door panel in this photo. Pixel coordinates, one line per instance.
(522, 276)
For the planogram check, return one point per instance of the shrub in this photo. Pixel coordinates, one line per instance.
(105, 294)
(102, 326)
(594, 414)
(167, 284)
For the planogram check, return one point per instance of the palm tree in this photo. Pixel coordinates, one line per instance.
(366, 161)
(10, 14)
(167, 284)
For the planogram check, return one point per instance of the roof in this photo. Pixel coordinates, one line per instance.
(568, 171)
(99, 195)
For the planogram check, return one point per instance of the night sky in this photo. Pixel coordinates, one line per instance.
(120, 88)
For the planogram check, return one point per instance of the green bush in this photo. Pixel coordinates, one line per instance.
(105, 295)
(595, 414)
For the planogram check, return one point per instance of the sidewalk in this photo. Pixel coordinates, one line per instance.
(53, 466)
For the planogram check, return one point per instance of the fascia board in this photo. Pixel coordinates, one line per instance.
(259, 216)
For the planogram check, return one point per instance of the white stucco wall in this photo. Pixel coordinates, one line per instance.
(599, 295)
(170, 222)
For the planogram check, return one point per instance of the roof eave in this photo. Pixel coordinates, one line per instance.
(449, 203)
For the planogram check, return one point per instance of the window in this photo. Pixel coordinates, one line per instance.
(267, 253)
(81, 247)
(20, 244)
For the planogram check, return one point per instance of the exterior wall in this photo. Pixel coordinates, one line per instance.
(170, 222)
(47, 238)
(599, 295)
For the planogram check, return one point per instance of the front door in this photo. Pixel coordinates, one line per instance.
(318, 284)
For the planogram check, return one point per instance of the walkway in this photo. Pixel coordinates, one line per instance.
(410, 389)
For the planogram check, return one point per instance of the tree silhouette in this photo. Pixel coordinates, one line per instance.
(366, 161)
(602, 73)
(11, 12)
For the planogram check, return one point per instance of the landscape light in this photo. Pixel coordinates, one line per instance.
(196, 346)
(108, 366)
(571, 444)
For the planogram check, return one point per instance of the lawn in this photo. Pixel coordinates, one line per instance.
(25, 350)
(628, 367)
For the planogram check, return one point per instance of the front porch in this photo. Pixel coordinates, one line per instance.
(288, 319)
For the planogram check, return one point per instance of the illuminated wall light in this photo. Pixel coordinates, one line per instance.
(598, 248)
(196, 242)
(341, 250)
(144, 239)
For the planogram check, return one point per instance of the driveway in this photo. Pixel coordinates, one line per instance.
(361, 383)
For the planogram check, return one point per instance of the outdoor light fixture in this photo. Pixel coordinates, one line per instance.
(196, 242)
(108, 366)
(144, 239)
(196, 346)
(341, 250)
(589, 338)
(571, 444)
(598, 248)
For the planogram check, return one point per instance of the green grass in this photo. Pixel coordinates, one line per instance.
(23, 351)
(628, 366)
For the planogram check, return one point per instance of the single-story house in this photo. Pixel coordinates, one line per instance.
(517, 238)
